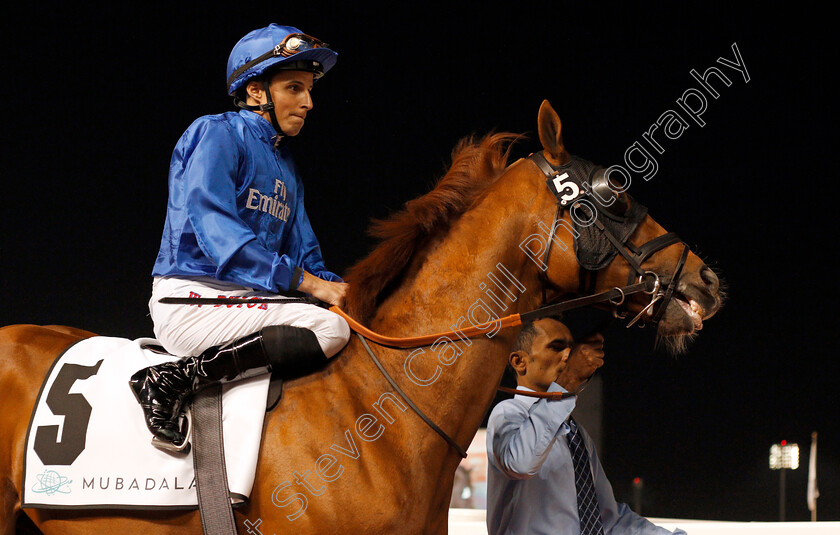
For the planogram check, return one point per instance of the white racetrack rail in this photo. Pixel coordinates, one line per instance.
(471, 522)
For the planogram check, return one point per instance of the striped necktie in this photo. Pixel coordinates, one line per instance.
(589, 511)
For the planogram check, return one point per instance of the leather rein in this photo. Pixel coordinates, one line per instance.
(647, 282)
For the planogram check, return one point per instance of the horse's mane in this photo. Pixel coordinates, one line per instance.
(475, 166)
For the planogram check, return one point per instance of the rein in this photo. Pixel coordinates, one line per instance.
(648, 283)
(615, 296)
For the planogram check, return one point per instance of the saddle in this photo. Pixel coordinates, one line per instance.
(88, 444)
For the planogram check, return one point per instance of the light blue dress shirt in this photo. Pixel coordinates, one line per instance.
(531, 481)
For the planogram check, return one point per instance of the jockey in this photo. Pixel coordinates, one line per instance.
(236, 228)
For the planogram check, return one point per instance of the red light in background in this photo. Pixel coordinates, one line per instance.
(784, 443)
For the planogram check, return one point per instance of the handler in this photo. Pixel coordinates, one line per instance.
(543, 472)
(236, 227)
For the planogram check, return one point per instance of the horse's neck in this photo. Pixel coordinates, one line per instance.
(475, 273)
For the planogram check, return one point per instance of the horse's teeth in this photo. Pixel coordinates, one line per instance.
(696, 308)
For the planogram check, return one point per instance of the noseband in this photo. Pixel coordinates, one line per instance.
(575, 185)
(581, 186)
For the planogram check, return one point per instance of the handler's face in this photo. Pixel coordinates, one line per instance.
(549, 353)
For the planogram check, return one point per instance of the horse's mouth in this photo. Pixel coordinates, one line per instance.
(688, 308)
(683, 318)
(692, 309)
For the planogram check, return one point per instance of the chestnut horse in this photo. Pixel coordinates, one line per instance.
(343, 453)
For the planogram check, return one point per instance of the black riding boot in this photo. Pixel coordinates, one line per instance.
(163, 389)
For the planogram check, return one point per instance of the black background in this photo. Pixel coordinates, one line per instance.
(97, 97)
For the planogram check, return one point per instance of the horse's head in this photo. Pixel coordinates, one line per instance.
(617, 243)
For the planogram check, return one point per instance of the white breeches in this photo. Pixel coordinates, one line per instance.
(185, 330)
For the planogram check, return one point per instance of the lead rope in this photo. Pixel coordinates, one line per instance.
(541, 395)
(615, 296)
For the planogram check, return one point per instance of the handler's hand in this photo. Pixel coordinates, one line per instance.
(327, 291)
(586, 357)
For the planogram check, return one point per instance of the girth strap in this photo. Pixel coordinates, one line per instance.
(209, 462)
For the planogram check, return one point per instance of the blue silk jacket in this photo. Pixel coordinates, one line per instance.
(235, 209)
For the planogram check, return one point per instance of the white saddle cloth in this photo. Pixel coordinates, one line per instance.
(88, 445)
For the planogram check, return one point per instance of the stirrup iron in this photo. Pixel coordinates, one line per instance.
(184, 447)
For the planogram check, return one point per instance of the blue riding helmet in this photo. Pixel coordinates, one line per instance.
(275, 45)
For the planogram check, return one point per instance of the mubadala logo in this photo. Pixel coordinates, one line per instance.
(137, 483)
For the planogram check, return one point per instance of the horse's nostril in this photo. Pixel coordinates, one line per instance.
(709, 278)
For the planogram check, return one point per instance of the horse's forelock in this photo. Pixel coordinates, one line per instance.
(475, 166)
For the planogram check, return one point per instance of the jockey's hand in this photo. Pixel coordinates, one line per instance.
(327, 291)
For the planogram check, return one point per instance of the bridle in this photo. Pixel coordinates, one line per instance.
(573, 190)
(575, 185)
(581, 185)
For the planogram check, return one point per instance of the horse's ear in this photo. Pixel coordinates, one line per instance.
(551, 135)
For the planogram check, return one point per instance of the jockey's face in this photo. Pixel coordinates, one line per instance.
(550, 349)
(291, 92)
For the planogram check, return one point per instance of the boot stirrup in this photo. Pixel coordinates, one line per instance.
(184, 447)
